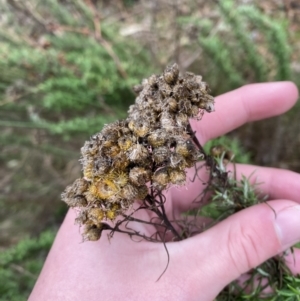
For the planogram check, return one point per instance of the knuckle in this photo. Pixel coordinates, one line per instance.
(244, 247)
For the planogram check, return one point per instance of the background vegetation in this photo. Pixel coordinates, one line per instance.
(67, 68)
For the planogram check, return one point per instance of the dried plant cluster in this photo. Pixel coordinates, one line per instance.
(137, 158)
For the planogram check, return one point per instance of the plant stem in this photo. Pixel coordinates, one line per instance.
(162, 215)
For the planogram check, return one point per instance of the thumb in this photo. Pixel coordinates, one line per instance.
(242, 242)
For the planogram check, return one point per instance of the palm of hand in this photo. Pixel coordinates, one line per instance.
(199, 267)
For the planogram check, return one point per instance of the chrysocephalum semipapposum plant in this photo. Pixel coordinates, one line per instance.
(135, 160)
(141, 156)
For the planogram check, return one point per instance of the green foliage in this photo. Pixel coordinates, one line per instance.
(21, 264)
(235, 196)
(252, 58)
(68, 73)
(84, 84)
(221, 56)
(230, 144)
(276, 36)
(244, 46)
(289, 291)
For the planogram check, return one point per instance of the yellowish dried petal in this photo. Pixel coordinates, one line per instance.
(177, 176)
(103, 189)
(161, 178)
(96, 215)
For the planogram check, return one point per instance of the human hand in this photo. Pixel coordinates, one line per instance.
(200, 266)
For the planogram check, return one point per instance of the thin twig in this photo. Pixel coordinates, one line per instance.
(96, 20)
(168, 257)
(162, 215)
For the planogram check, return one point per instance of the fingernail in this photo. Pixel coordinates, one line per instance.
(287, 223)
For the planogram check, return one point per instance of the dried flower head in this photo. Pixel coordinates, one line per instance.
(152, 146)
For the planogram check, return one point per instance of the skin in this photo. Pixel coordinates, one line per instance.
(201, 266)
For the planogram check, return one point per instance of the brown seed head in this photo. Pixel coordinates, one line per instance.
(90, 148)
(176, 160)
(82, 218)
(171, 74)
(182, 120)
(101, 166)
(177, 176)
(90, 198)
(184, 106)
(194, 111)
(129, 192)
(96, 215)
(142, 192)
(161, 154)
(110, 137)
(191, 84)
(121, 161)
(161, 178)
(139, 176)
(137, 153)
(165, 90)
(139, 127)
(172, 105)
(152, 81)
(92, 232)
(113, 212)
(185, 147)
(125, 142)
(167, 121)
(137, 88)
(111, 151)
(158, 138)
(75, 201)
(73, 195)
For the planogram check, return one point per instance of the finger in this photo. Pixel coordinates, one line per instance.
(275, 183)
(248, 103)
(292, 260)
(241, 242)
